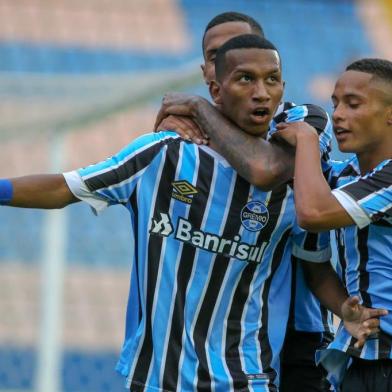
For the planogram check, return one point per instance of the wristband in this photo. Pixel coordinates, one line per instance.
(6, 191)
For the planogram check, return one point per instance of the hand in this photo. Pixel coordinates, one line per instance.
(289, 132)
(360, 321)
(185, 127)
(179, 104)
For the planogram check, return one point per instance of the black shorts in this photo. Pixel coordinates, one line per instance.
(368, 376)
(299, 372)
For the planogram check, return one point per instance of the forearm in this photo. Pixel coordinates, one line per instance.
(262, 163)
(325, 285)
(46, 191)
(313, 197)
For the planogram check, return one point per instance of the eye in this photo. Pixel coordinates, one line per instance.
(353, 105)
(246, 78)
(272, 79)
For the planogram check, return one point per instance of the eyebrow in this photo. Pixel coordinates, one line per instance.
(272, 71)
(348, 96)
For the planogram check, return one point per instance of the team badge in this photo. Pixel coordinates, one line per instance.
(254, 216)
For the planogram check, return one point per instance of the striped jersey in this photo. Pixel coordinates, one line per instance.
(210, 278)
(365, 250)
(306, 312)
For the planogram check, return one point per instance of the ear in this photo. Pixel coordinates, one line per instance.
(203, 70)
(389, 115)
(215, 90)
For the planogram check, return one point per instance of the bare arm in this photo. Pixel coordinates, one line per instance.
(41, 191)
(325, 285)
(316, 206)
(262, 163)
(359, 321)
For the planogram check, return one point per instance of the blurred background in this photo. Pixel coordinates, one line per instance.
(79, 80)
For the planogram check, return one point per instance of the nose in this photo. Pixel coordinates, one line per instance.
(260, 91)
(338, 113)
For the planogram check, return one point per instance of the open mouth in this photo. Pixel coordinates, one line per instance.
(340, 131)
(260, 115)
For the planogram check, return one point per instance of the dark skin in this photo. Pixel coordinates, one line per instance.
(261, 163)
(214, 38)
(47, 191)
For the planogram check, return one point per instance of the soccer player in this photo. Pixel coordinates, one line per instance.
(359, 207)
(219, 30)
(208, 300)
(310, 324)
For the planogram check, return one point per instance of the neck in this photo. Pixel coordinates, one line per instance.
(369, 160)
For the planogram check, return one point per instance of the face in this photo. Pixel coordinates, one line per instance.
(361, 113)
(214, 39)
(251, 88)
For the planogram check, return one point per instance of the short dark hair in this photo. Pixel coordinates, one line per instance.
(378, 67)
(244, 41)
(233, 17)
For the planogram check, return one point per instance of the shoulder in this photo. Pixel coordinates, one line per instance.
(348, 166)
(151, 142)
(289, 111)
(384, 168)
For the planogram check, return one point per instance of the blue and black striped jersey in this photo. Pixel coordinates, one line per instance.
(365, 249)
(306, 312)
(210, 279)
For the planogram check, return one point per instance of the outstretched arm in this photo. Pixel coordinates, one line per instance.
(39, 191)
(262, 163)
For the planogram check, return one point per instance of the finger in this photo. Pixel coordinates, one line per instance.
(372, 313)
(177, 125)
(159, 119)
(371, 323)
(194, 132)
(373, 331)
(352, 301)
(281, 125)
(276, 135)
(360, 342)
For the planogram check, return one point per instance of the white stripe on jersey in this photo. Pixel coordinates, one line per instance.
(179, 255)
(129, 157)
(145, 283)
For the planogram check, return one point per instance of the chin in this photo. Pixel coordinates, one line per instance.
(346, 148)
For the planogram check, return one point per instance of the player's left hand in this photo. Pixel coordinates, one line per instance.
(360, 321)
(289, 132)
(185, 127)
(184, 105)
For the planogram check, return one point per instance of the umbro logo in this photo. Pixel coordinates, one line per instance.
(183, 191)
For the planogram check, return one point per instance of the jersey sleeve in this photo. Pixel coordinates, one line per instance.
(314, 116)
(314, 247)
(112, 181)
(368, 198)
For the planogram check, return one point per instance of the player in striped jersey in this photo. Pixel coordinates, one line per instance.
(360, 208)
(310, 324)
(208, 300)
